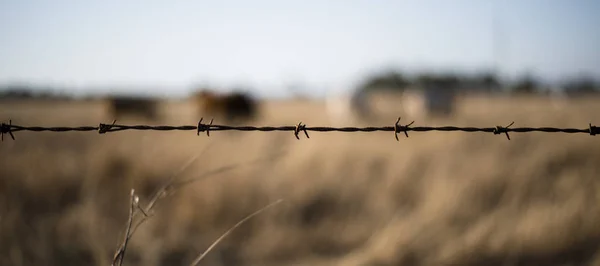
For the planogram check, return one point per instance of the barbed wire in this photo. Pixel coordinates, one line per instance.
(9, 128)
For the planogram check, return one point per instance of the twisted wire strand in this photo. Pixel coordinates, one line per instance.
(9, 128)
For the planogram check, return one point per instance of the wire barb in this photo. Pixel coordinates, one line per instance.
(593, 130)
(6, 129)
(500, 130)
(300, 127)
(103, 128)
(204, 127)
(399, 128)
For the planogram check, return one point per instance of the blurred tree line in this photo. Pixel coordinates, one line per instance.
(485, 82)
(481, 82)
(21, 92)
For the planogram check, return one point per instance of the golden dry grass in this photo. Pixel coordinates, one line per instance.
(350, 199)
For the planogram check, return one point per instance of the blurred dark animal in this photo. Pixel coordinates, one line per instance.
(233, 107)
(128, 106)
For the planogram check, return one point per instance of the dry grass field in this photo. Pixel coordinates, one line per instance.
(349, 198)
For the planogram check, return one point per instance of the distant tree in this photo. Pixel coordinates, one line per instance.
(527, 84)
(400, 81)
(450, 80)
(444, 80)
(424, 79)
(387, 81)
(488, 81)
(16, 92)
(582, 85)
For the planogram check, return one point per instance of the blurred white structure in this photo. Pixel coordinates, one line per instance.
(428, 101)
(413, 104)
(558, 98)
(345, 108)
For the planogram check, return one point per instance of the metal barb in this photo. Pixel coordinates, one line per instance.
(6, 128)
(300, 127)
(204, 127)
(103, 128)
(593, 130)
(399, 128)
(500, 130)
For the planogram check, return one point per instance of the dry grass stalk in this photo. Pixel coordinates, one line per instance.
(120, 253)
(168, 187)
(238, 224)
(161, 192)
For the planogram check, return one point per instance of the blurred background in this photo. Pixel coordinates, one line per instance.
(435, 198)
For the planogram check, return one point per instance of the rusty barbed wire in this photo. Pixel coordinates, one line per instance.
(10, 128)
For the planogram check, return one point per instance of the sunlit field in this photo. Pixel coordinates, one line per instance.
(435, 198)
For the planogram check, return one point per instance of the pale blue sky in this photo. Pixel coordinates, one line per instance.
(270, 44)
